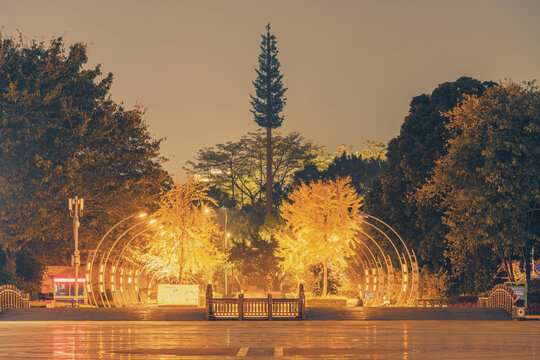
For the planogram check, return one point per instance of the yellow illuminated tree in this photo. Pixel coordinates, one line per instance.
(322, 218)
(291, 256)
(188, 241)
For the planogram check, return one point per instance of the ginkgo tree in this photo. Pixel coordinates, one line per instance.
(188, 243)
(322, 218)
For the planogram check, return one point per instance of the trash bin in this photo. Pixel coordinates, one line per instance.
(520, 309)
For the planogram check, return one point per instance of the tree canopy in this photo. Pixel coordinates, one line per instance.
(61, 135)
(321, 218)
(361, 167)
(489, 179)
(268, 101)
(411, 157)
(237, 168)
(188, 245)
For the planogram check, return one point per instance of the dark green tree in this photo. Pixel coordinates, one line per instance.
(236, 168)
(61, 135)
(362, 172)
(268, 101)
(489, 179)
(410, 159)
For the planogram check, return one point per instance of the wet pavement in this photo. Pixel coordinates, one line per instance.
(198, 314)
(259, 340)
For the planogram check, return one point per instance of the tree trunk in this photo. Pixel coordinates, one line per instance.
(180, 274)
(527, 259)
(181, 265)
(268, 171)
(511, 267)
(325, 278)
(11, 261)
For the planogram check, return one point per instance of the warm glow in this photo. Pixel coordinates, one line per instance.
(70, 280)
(152, 221)
(142, 215)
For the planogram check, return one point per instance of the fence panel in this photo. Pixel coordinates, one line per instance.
(254, 308)
(501, 297)
(13, 298)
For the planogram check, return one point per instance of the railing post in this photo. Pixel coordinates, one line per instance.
(302, 302)
(269, 306)
(240, 306)
(208, 301)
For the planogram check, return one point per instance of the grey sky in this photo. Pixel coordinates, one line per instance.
(351, 66)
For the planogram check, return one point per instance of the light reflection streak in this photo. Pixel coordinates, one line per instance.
(405, 342)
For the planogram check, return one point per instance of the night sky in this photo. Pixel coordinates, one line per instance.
(351, 67)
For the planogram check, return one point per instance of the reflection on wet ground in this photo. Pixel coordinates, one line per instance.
(257, 339)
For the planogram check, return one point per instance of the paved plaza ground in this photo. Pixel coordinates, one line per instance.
(258, 339)
(198, 314)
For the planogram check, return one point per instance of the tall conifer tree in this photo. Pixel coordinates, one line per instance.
(268, 101)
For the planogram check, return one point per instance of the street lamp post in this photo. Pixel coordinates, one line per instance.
(76, 207)
(225, 268)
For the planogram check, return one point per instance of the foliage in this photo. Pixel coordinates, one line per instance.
(12, 278)
(362, 171)
(334, 282)
(292, 260)
(268, 101)
(236, 169)
(488, 181)
(433, 285)
(253, 247)
(61, 135)
(190, 238)
(322, 218)
(410, 158)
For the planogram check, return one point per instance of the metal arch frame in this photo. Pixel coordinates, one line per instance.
(104, 264)
(378, 283)
(387, 262)
(102, 269)
(90, 265)
(368, 271)
(403, 271)
(386, 257)
(414, 284)
(119, 257)
(354, 275)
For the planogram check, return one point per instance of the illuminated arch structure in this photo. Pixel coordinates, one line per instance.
(113, 280)
(385, 270)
